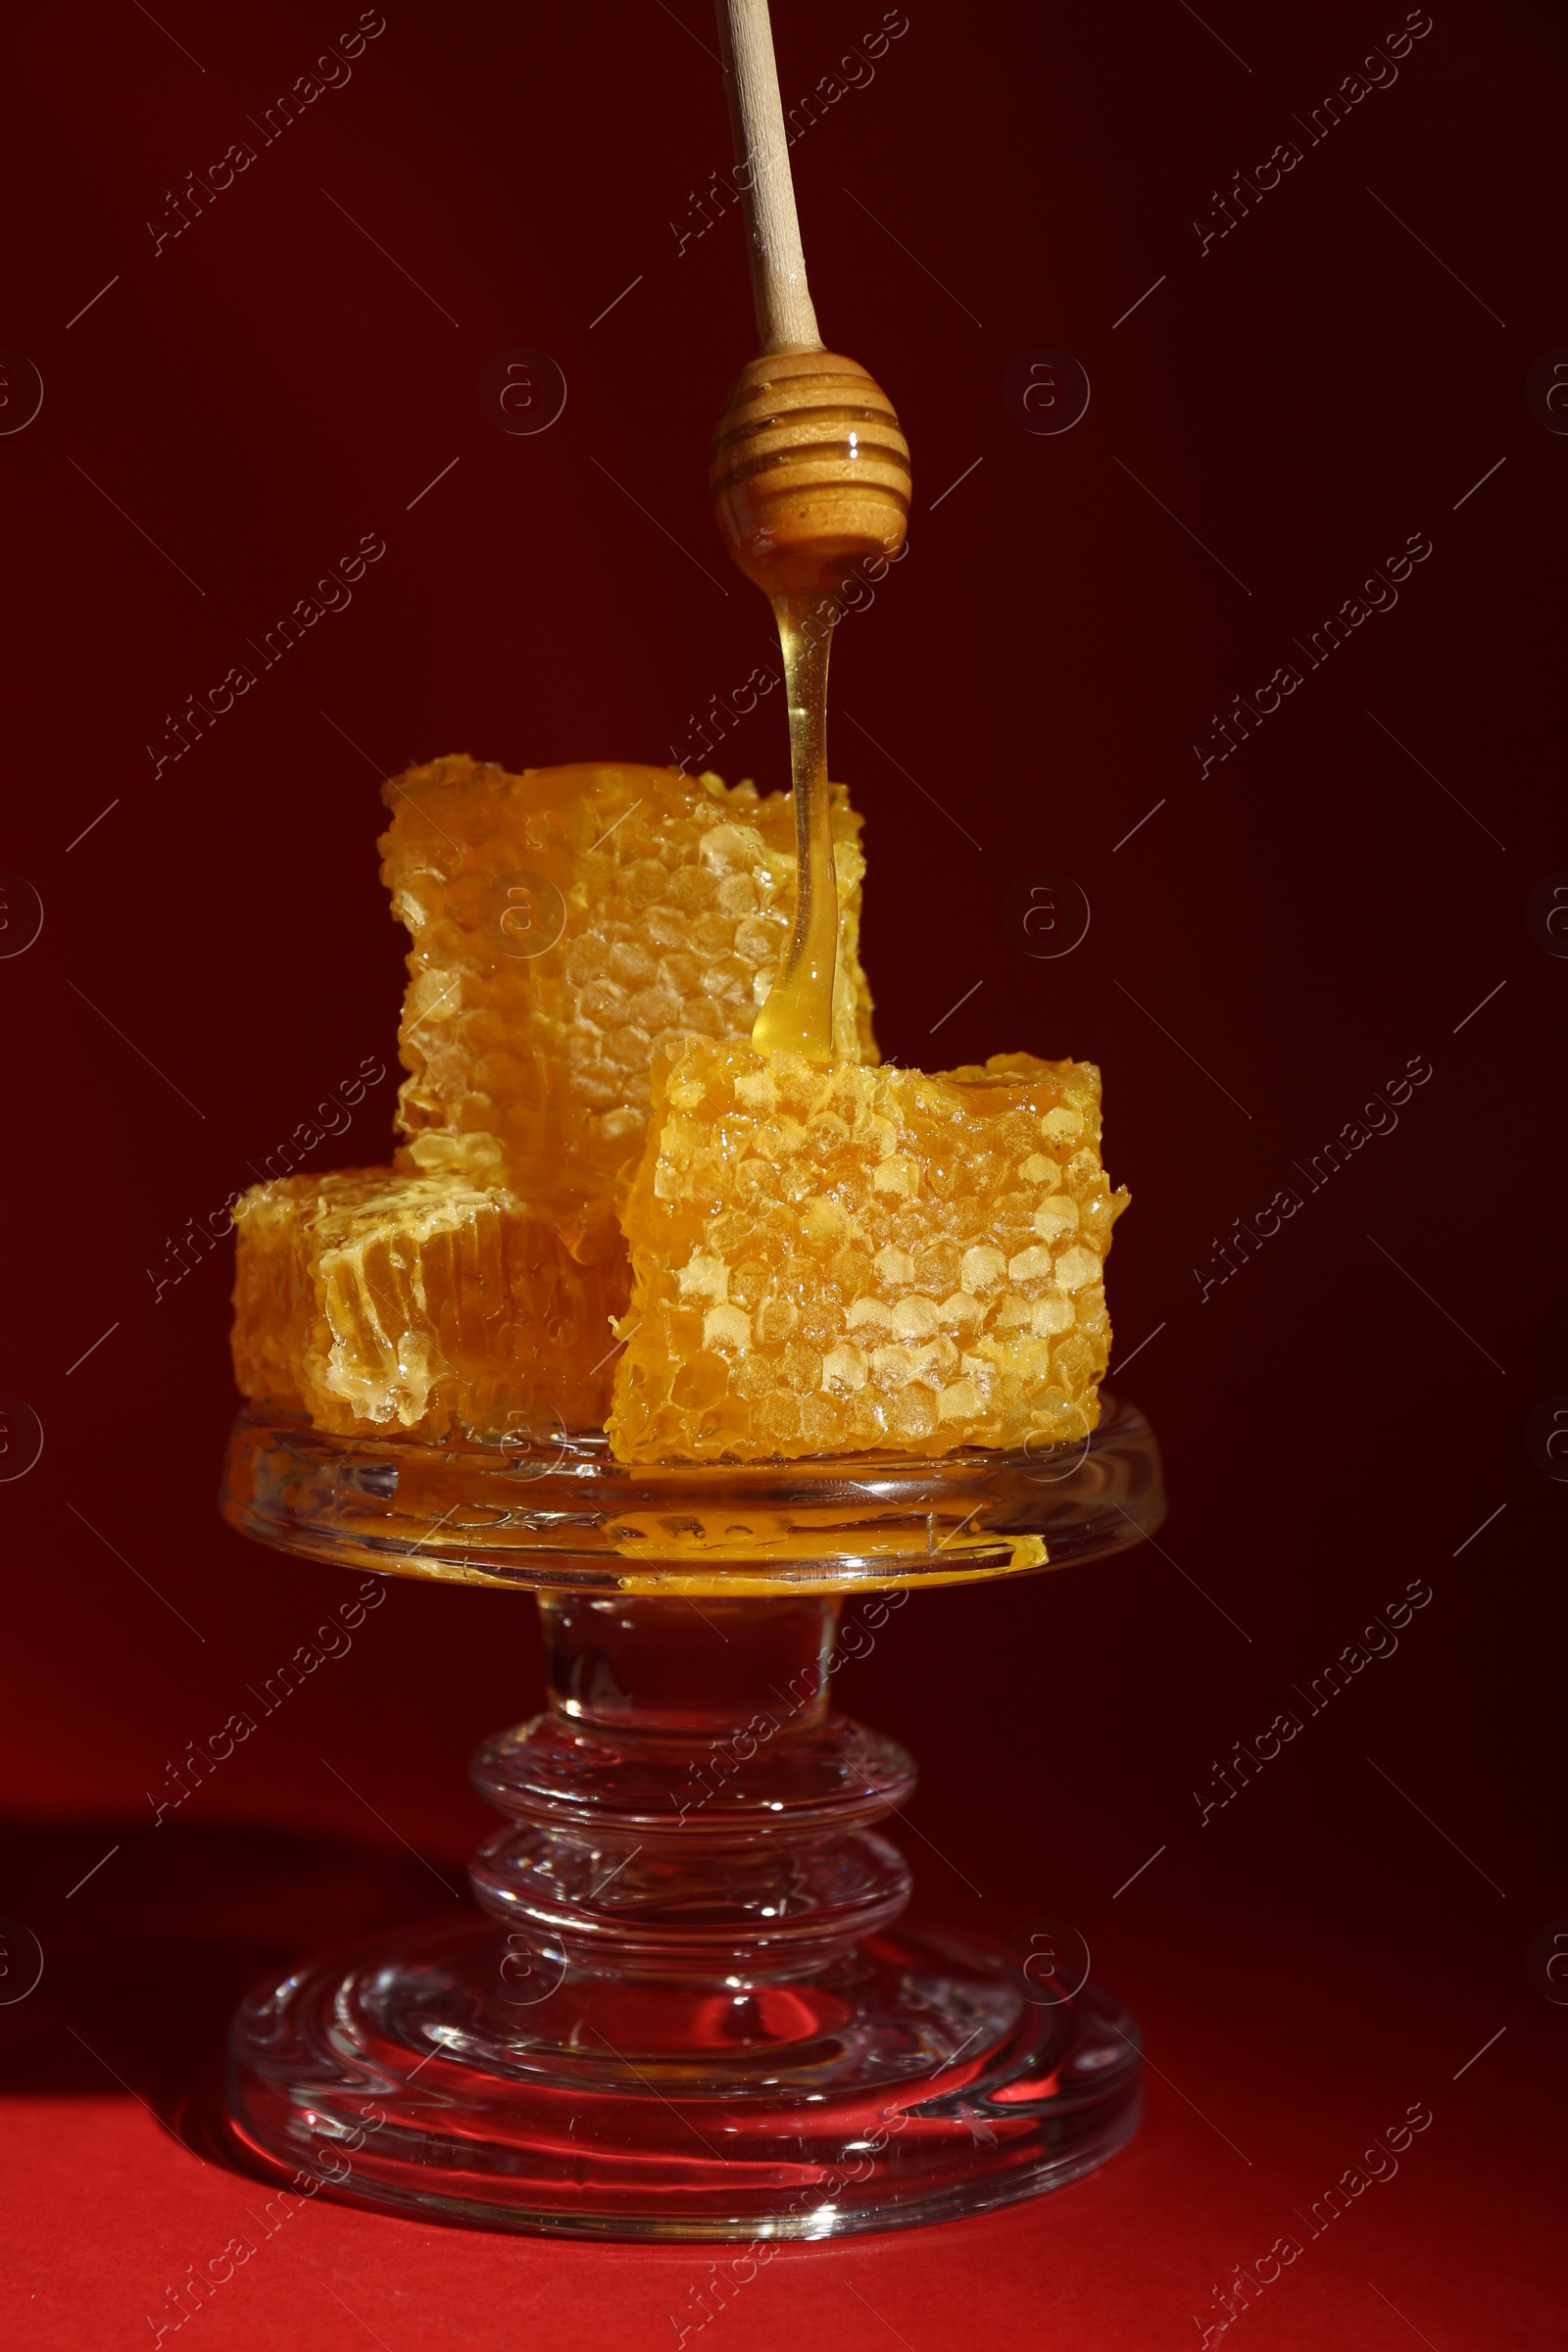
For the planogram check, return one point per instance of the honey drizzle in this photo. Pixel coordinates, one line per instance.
(798, 1016)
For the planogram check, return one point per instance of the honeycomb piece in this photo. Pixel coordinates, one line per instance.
(831, 1260)
(567, 922)
(379, 1300)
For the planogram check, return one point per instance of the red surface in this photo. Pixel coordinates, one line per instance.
(1273, 945)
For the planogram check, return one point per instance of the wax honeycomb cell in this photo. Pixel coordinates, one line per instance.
(835, 1258)
(380, 1301)
(567, 923)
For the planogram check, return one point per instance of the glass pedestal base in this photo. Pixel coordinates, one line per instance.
(910, 2083)
(686, 2011)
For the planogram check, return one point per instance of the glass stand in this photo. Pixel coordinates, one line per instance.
(686, 2009)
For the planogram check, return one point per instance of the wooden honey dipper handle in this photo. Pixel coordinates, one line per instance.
(785, 318)
(811, 471)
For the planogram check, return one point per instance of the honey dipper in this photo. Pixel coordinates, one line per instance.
(810, 483)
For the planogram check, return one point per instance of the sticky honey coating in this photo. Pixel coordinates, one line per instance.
(846, 1259)
(567, 923)
(374, 1301)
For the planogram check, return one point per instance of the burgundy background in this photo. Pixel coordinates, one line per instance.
(1316, 911)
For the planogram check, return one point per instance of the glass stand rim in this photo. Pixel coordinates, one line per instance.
(553, 1512)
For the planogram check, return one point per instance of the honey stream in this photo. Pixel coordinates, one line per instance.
(798, 1016)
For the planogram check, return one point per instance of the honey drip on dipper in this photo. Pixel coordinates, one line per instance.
(809, 478)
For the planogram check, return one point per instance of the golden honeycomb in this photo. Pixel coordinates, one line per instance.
(842, 1259)
(375, 1300)
(565, 924)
